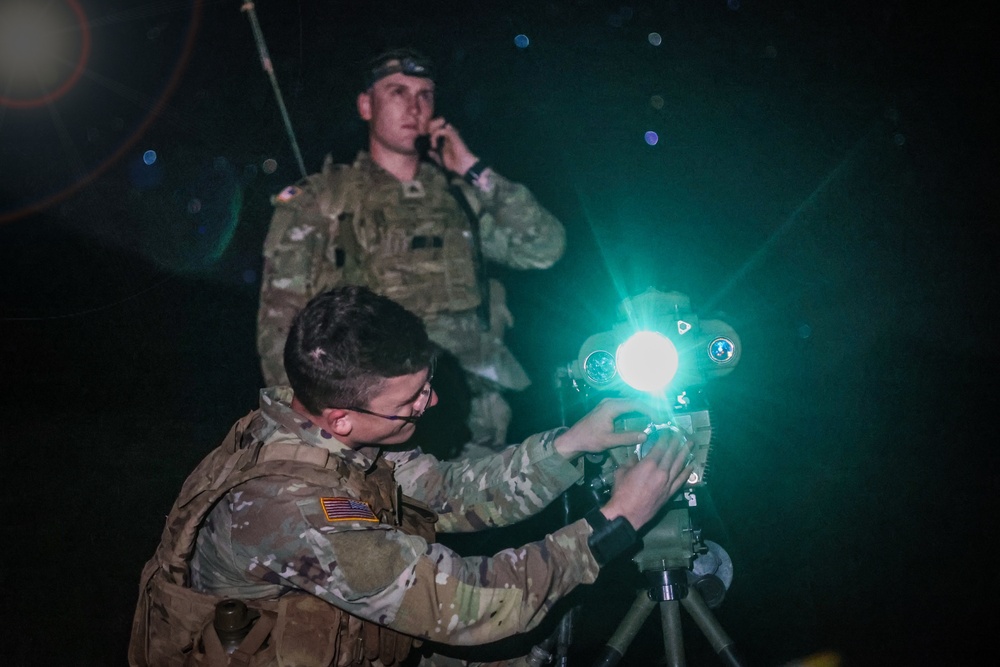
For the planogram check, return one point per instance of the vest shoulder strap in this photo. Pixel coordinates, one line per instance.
(202, 491)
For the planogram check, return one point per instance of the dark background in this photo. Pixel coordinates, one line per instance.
(824, 181)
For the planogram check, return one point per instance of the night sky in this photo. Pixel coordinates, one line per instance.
(821, 176)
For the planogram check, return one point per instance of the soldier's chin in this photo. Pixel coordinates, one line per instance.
(402, 435)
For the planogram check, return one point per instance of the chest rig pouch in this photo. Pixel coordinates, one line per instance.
(413, 245)
(172, 626)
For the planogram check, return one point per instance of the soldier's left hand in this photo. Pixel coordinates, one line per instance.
(596, 431)
(454, 155)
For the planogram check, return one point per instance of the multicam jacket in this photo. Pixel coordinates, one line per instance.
(412, 242)
(175, 625)
(275, 535)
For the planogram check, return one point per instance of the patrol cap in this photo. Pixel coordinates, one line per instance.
(408, 61)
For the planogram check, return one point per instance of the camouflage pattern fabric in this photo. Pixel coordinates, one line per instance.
(172, 624)
(275, 535)
(410, 241)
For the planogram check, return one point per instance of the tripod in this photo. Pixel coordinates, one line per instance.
(665, 561)
(681, 571)
(672, 549)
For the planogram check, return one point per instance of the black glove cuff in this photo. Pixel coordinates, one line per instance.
(610, 538)
(475, 171)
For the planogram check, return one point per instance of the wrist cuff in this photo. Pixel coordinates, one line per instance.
(475, 171)
(610, 538)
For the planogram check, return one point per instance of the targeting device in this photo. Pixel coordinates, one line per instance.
(658, 345)
(661, 349)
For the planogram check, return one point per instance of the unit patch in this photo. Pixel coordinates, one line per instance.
(346, 509)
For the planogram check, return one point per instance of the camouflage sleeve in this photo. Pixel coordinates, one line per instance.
(516, 230)
(296, 240)
(377, 572)
(476, 493)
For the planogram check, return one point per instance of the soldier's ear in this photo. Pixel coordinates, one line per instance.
(365, 106)
(337, 421)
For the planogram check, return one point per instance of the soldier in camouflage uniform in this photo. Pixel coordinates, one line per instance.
(312, 514)
(416, 230)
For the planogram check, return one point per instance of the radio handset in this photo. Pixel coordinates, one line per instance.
(423, 145)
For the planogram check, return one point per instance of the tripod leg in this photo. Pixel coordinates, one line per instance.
(627, 630)
(564, 638)
(717, 637)
(673, 633)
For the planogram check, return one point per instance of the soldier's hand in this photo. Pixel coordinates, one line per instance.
(454, 155)
(642, 489)
(596, 431)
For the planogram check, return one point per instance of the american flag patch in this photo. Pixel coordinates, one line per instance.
(289, 193)
(346, 509)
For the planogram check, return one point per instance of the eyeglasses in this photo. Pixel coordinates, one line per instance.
(424, 398)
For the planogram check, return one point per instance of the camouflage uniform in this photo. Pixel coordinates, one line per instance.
(273, 535)
(412, 242)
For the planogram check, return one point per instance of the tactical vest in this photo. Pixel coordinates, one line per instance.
(417, 250)
(408, 242)
(173, 626)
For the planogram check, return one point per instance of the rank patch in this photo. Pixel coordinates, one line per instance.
(413, 190)
(346, 509)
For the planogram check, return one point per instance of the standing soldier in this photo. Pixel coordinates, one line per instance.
(414, 229)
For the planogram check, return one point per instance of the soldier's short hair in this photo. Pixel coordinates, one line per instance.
(346, 342)
(408, 61)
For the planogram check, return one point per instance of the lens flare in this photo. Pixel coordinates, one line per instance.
(56, 165)
(43, 52)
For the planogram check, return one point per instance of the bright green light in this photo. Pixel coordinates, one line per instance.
(647, 361)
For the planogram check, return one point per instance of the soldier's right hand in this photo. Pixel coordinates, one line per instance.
(641, 489)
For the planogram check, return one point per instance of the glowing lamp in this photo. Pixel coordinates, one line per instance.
(647, 361)
(659, 345)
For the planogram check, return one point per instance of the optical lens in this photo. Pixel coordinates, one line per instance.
(600, 367)
(721, 350)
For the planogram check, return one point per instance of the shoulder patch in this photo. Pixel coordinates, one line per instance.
(347, 509)
(289, 193)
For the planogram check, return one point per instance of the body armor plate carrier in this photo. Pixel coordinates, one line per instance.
(173, 625)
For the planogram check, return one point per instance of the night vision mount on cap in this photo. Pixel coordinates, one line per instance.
(407, 61)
